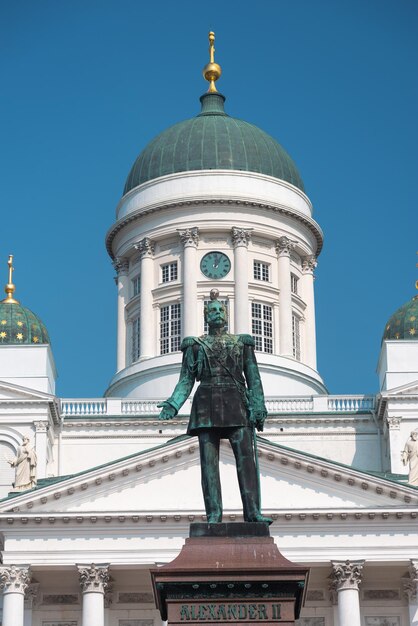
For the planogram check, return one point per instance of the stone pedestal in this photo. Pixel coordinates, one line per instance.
(230, 573)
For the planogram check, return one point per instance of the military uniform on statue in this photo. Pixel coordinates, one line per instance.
(228, 404)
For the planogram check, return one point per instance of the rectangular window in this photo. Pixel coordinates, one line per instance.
(262, 326)
(296, 337)
(170, 328)
(294, 283)
(261, 271)
(225, 303)
(136, 286)
(169, 272)
(135, 339)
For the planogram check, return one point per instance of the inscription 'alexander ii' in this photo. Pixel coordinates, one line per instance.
(229, 612)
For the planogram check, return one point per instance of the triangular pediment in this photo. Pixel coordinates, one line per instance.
(10, 391)
(166, 481)
(410, 389)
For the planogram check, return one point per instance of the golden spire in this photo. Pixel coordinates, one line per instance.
(10, 288)
(212, 71)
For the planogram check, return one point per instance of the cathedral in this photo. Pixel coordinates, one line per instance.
(95, 492)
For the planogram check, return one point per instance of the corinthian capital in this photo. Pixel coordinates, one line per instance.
(240, 236)
(346, 574)
(93, 577)
(394, 423)
(14, 579)
(189, 237)
(309, 264)
(145, 247)
(284, 246)
(41, 426)
(121, 265)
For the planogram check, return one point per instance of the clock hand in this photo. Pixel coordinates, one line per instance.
(216, 262)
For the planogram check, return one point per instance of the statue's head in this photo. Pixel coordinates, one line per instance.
(215, 312)
(414, 435)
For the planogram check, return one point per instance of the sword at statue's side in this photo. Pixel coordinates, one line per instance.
(252, 418)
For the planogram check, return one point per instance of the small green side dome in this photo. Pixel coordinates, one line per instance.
(404, 322)
(18, 325)
(213, 141)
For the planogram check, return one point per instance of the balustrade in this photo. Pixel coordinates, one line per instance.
(88, 407)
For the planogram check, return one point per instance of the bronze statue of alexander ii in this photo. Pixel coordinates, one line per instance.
(228, 404)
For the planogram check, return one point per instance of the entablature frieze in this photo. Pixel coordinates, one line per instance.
(306, 221)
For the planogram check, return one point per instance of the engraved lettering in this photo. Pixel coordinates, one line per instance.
(184, 613)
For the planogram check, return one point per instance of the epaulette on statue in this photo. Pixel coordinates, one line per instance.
(247, 340)
(187, 342)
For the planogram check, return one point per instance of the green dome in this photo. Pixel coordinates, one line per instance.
(18, 325)
(213, 141)
(404, 322)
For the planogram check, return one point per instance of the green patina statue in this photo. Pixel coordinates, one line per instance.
(228, 404)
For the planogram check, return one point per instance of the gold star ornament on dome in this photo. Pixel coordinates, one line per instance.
(19, 336)
(3, 322)
(3, 335)
(412, 331)
(35, 339)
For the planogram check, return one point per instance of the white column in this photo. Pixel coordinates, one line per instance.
(283, 248)
(240, 240)
(410, 590)
(41, 447)
(190, 240)
(346, 578)
(94, 580)
(146, 251)
(14, 581)
(309, 263)
(395, 445)
(121, 266)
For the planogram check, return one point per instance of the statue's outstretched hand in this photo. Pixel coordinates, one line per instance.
(167, 411)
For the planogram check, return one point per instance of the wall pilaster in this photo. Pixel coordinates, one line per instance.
(395, 444)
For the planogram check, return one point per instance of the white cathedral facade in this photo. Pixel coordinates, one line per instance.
(212, 202)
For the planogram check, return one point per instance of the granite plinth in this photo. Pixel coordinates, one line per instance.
(232, 573)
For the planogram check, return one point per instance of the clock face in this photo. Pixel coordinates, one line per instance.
(215, 265)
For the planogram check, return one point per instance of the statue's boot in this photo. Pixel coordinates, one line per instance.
(211, 483)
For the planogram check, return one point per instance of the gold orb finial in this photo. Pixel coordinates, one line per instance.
(10, 288)
(212, 71)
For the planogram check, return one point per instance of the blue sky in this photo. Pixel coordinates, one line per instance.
(86, 84)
